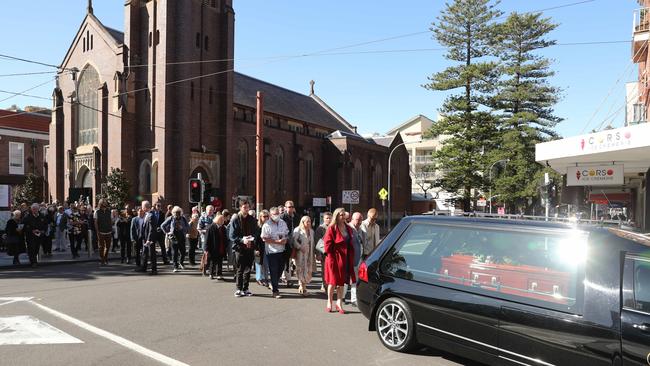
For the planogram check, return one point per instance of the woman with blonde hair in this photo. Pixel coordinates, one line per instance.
(339, 260)
(303, 243)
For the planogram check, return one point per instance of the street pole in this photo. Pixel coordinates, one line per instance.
(492, 166)
(259, 187)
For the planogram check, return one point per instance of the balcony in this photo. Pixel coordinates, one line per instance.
(425, 176)
(641, 31)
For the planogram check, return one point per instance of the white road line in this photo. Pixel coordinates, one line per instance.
(11, 300)
(112, 337)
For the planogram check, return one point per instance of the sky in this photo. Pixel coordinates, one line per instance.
(376, 85)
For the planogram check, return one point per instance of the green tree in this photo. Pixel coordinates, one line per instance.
(29, 192)
(467, 29)
(117, 187)
(526, 100)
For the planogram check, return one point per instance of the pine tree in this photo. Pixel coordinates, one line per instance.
(526, 100)
(117, 187)
(467, 29)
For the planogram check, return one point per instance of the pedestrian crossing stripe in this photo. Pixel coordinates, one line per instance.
(27, 330)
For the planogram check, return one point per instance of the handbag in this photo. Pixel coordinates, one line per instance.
(320, 246)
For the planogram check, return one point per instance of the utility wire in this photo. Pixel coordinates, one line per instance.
(27, 73)
(630, 64)
(25, 91)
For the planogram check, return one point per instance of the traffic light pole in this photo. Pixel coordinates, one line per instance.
(202, 191)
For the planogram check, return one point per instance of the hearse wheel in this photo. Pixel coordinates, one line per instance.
(395, 326)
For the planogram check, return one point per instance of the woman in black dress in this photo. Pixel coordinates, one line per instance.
(14, 239)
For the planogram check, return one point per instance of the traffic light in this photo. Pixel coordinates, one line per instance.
(196, 190)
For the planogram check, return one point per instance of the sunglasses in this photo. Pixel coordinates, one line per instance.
(289, 207)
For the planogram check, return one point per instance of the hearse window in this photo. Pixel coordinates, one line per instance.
(642, 285)
(541, 268)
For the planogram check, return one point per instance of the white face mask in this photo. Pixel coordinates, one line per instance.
(275, 218)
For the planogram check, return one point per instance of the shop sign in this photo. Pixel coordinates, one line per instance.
(595, 175)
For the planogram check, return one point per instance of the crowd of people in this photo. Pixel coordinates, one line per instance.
(277, 244)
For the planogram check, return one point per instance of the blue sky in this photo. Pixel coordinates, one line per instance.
(374, 91)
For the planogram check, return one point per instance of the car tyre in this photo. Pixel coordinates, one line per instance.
(394, 324)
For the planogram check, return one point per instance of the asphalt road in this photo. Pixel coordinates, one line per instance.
(183, 318)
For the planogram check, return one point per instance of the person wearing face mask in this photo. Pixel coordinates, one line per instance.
(370, 230)
(275, 234)
(34, 228)
(215, 243)
(175, 228)
(242, 236)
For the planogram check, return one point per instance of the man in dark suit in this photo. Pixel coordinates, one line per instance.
(159, 217)
(149, 237)
(34, 227)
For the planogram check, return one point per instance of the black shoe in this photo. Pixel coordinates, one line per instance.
(128, 261)
(153, 273)
(122, 260)
(139, 270)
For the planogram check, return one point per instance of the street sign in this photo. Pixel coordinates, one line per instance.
(383, 194)
(501, 211)
(319, 202)
(351, 197)
(482, 202)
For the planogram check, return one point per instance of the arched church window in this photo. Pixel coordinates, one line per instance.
(88, 106)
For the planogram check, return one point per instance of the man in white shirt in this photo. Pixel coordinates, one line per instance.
(275, 234)
(370, 230)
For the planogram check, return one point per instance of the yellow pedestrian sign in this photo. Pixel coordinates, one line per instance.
(383, 194)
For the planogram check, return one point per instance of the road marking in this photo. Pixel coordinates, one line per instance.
(112, 337)
(11, 300)
(19, 330)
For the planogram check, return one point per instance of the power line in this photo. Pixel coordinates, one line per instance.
(27, 73)
(24, 91)
(644, 46)
(30, 61)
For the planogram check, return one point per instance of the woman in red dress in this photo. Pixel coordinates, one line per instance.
(339, 266)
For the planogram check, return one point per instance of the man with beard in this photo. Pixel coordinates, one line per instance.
(242, 236)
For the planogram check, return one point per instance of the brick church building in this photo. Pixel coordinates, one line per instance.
(153, 102)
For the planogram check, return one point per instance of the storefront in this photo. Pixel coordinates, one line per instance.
(609, 170)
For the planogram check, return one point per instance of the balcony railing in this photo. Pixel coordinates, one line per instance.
(641, 20)
(425, 159)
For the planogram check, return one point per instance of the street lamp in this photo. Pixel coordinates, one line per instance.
(492, 166)
(389, 174)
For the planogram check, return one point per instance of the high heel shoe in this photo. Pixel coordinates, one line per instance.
(328, 309)
(340, 310)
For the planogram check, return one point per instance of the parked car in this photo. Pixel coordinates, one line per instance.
(510, 292)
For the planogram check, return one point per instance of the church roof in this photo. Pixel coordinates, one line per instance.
(287, 103)
(116, 34)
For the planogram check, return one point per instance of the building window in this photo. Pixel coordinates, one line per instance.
(377, 178)
(150, 39)
(639, 113)
(279, 168)
(198, 40)
(84, 44)
(16, 158)
(145, 177)
(309, 174)
(205, 43)
(242, 174)
(91, 41)
(88, 106)
(157, 37)
(357, 175)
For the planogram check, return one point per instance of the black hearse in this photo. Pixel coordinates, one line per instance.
(510, 292)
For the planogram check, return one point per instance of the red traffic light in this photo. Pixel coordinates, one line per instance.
(195, 184)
